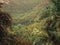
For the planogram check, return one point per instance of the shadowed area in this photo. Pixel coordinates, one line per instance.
(5, 37)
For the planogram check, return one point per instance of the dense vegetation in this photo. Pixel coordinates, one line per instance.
(38, 22)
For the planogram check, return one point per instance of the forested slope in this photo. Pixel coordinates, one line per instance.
(31, 20)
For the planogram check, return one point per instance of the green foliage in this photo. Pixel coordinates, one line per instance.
(29, 22)
(57, 6)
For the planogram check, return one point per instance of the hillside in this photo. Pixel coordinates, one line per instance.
(29, 19)
(21, 5)
(24, 11)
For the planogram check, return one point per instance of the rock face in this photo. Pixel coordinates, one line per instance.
(5, 37)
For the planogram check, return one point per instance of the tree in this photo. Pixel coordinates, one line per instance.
(52, 24)
(57, 5)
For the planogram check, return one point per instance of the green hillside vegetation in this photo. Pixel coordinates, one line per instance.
(29, 19)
